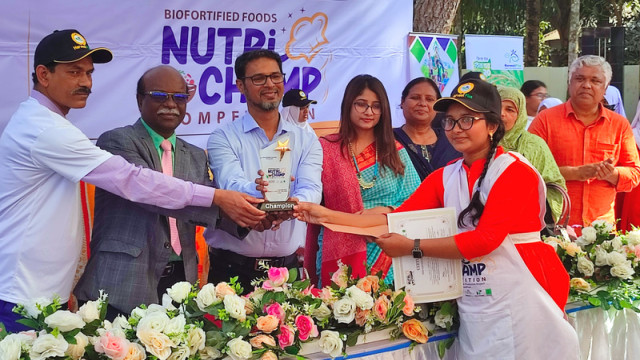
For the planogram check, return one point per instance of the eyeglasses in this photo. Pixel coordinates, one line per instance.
(464, 123)
(361, 106)
(160, 96)
(540, 96)
(261, 79)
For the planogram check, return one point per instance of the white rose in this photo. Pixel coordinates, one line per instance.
(589, 235)
(238, 348)
(138, 313)
(442, 320)
(136, 352)
(180, 353)
(321, 313)
(152, 308)
(195, 339)
(89, 311)
(64, 320)
(362, 299)
(606, 227)
(120, 322)
(206, 296)
(167, 302)
(47, 346)
(615, 258)
(602, 257)
(344, 310)
(210, 353)
(179, 291)
(633, 237)
(622, 270)
(155, 321)
(32, 306)
(234, 305)
(330, 343)
(76, 351)
(585, 266)
(156, 343)
(616, 243)
(175, 326)
(11, 347)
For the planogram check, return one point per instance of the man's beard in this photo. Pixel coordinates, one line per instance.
(268, 105)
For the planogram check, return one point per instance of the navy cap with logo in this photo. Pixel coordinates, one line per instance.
(296, 97)
(66, 46)
(474, 94)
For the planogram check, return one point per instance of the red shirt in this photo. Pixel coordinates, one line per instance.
(512, 207)
(574, 144)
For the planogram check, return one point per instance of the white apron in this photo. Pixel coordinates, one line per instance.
(504, 312)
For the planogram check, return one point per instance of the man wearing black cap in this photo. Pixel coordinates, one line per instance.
(42, 158)
(295, 108)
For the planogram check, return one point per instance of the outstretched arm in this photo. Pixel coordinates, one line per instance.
(317, 214)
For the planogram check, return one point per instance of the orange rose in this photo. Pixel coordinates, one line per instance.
(267, 323)
(380, 308)
(361, 316)
(368, 283)
(223, 289)
(259, 341)
(269, 355)
(409, 306)
(414, 330)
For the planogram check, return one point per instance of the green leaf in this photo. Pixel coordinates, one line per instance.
(352, 338)
(268, 298)
(293, 350)
(301, 285)
(442, 348)
(293, 275)
(626, 304)
(29, 322)
(594, 301)
(3, 331)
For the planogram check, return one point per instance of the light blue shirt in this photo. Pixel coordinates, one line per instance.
(234, 157)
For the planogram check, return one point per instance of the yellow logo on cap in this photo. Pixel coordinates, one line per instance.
(465, 88)
(78, 39)
(303, 96)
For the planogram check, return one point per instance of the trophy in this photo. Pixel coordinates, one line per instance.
(275, 162)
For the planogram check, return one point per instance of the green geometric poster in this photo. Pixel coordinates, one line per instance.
(435, 56)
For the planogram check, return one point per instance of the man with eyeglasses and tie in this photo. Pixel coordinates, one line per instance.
(43, 156)
(234, 156)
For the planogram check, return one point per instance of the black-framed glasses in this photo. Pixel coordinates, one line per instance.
(261, 79)
(464, 122)
(361, 106)
(161, 96)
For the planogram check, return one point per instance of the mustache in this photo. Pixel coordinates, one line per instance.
(165, 111)
(81, 91)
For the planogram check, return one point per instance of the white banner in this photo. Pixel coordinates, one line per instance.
(499, 57)
(324, 43)
(435, 56)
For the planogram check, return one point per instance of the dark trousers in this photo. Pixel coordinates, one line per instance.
(9, 318)
(226, 264)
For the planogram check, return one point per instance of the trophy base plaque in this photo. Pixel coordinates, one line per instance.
(277, 206)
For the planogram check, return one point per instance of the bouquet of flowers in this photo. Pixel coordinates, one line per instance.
(274, 321)
(603, 265)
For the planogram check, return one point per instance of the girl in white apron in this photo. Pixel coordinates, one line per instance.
(514, 285)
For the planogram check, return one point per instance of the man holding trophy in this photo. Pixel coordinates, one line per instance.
(261, 145)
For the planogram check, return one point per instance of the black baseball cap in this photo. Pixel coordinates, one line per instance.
(473, 75)
(66, 46)
(296, 97)
(474, 94)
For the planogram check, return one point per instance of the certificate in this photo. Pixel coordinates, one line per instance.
(427, 279)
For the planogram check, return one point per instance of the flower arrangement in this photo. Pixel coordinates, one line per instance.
(603, 265)
(274, 321)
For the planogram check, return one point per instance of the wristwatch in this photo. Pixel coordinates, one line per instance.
(416, 252)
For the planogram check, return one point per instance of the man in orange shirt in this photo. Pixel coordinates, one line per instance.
(593, 146)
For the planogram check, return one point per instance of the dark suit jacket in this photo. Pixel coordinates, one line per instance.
(130, 244)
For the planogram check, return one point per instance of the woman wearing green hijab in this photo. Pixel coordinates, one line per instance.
(532, 147)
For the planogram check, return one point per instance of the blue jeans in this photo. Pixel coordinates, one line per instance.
(8, 318)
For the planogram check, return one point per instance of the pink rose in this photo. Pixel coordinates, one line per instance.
(306, 328)
(409, 305)
(361, 316)
(113, 346)
(637, 251)
(340, 277)
(311, 290)
(380, 308)
(277, 278)
(276, 310)
(286, 337)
